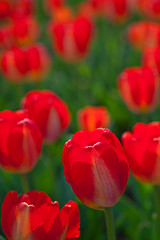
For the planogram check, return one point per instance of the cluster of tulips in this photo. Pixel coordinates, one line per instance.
(95, 163)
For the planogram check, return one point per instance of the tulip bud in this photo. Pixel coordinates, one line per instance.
(144, 34)
(14, 64)
(34, 216)
(21, 144)
(96, 167)
(49, 112)
(90, 118)
(72, 38)
(143, 151)
(138, 87)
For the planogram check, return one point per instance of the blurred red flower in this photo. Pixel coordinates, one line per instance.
(96, 167)
(20, 146)
(90, 118)
(49, 112)
(72, 38)
(34, 216)
(151, 8)
(144, 34)
(22, 8)
(5, 8)
(143, 150)
(138, 87)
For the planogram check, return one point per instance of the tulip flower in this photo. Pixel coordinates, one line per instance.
(144, 34)
(142, 148)
(90, 118)
(14, 64)
(151, 58)
(39, 62)
(96, 167)
(5, 8)
(34, 216)
(72, 38)
(20, 142)
(52, 5)
(151, 8)
(22, 8)
(49, 112)
(7, 37)
(138, 87)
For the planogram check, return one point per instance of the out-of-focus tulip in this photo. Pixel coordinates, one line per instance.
(7, 37)
(39, 62)
(144, 34)
(138, 87)
(34, 216)
(96, 167)
(62, 14)
(143, 150)
(72, 38)
(151, 58)
(5, 8)
(90, 118)
(26, 30)
(14, 64)
(22, 8)
(52, 5)
(20, 145)
(49, 112)
(150, 7)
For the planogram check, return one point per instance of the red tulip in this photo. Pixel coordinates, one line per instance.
(5, 8)
(90, 118)
(72, 39)
(7, 37)
(34, 216)
(96, 167)
(151, 58)
(150, 7)
(20, 145)
(26, 30)
(22, 8)
(138, 87)
(144, 34)
(143, 150)
(14, 64)
(52, 5)
(39, 62)
(49, 112)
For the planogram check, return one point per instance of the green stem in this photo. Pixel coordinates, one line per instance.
(157, 207)
(110, 224)
(25, 184)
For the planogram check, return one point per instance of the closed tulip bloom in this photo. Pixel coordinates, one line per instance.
(144, 34)
(151, 8)
(14, 64)
(20, 146)
(72, 38)
(39, 62)
(90, 118)
(96, 167)
(151, 58)
(143, 151)
(49, 112)
(26, 30)
(34, 216)
(5, 8)
(138, 87)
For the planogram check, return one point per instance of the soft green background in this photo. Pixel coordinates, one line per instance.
(91, 82)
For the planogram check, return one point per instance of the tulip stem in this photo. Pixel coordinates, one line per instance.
(25, 184)
(157, 205)
(110, 224)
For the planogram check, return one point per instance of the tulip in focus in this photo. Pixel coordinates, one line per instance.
(138, 87)
(72, 38)
(49, 112)
(14, 65)
(20, 142)
(144, 34)
(90, 118)
(151, 58)
(143, 151)
(34, 216)
(151, 8)
(96, 167)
